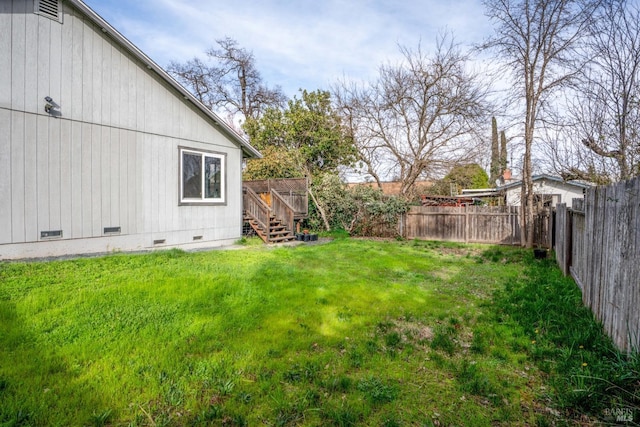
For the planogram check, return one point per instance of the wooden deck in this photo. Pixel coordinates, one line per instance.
(273, 207)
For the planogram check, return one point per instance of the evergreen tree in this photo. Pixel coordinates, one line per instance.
(503, 152)
(494, 170)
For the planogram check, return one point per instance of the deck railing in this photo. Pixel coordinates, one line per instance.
(293, 190)
(282, 210)
(256, 208)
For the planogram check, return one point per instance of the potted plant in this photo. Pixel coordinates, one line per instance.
(540, 252)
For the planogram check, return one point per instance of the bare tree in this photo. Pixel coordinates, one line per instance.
(607, 101)
(419, 118)
(566, 156)
(538, 41)
(232, 83)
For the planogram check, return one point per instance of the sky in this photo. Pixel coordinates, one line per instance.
(303, 44)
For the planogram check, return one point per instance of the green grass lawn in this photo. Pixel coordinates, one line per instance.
(352, 332)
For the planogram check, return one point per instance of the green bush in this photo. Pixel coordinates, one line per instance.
(360, 211)
(461, 176)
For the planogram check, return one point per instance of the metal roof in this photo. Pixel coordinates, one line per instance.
(246, 147)
(488, 193)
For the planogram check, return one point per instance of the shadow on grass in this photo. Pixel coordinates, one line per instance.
(48, 355)
(23, 356)
(588, 374)
(12, 338)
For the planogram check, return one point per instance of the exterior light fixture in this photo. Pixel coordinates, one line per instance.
(51, 107)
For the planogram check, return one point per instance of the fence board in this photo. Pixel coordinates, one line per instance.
(608, 273)
(563, 237)
(605, 248)
(633, 313)
(578, 262)
(471, 224)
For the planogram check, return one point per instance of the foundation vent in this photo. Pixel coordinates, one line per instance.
(51, 234)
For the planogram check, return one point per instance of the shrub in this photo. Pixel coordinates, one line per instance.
(361, 210)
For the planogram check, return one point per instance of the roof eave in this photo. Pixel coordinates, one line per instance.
(547, 177)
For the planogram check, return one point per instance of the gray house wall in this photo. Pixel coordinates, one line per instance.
(563, 192)
(111, 157)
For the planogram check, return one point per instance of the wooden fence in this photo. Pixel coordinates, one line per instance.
(598, 243)
(472, 224)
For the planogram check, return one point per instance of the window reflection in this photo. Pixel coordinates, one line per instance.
(192, 175)
(213, 177)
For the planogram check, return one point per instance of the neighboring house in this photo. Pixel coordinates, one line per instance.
(100, 149)
(549, 190)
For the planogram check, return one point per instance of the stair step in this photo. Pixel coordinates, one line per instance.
(281, 239)
(279, 233)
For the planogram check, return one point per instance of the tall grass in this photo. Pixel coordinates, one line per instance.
(352, 332)
(588, 374)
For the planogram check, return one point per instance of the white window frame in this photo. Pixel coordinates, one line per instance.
(202, 200)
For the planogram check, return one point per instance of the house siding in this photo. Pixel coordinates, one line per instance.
(566, 192)
(111, 159)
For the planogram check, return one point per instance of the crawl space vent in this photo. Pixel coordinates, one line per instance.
(49, 8)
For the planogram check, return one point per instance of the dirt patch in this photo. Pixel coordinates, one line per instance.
(411, 332)
(461, 251)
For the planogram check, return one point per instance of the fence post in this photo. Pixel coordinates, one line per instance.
(466, 223)
(515, 225)
(568, 259)
(551, 228)
(563, 237)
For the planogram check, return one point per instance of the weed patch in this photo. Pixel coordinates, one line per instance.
(444, 338)
(587, 373)
(378, 391)
(472, 379)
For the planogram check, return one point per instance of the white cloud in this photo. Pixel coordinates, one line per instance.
(305, 44)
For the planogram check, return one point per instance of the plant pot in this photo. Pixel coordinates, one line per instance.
(314, 237)
(540, 253)
(299, 237)
(307, 237)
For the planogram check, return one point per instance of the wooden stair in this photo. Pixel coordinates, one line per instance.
(278, 232)
(273, 221)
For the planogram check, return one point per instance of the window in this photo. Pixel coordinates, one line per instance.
(202, 177)
(546, 200)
